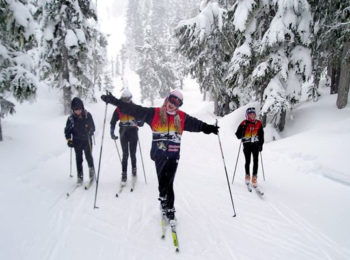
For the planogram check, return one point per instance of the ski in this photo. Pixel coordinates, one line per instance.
(249, 186)
(163, 224)
(69, 193)
(174, 235)
(172, 223)
(259, 192)
(89, 184)
(120, 190)
(133, 184)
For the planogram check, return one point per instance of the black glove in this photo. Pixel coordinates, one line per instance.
(109, 98)
(113, 136)
(70, 143)
(208, 129)
(260, 148)
(140, 123)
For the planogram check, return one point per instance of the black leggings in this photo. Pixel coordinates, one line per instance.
(249, 149)
(79, 147)
(128, 141)
(166, 169)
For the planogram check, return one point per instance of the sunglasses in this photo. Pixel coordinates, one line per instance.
(175, 101)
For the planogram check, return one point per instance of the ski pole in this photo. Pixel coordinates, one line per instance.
(234, 173)
(143, 166)
(99, 162)
(228, 182)
(70, 170)
(116, 146)
(262, 166)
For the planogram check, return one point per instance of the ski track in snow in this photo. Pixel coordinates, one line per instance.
(44, 224)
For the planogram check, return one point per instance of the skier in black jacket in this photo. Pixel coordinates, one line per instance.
(167, 123)
(81, 127)
(252, 134)
(128, 132)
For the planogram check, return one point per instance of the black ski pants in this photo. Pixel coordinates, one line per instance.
(79, 147)
(248, 150)
(128, 142)
(166, 169)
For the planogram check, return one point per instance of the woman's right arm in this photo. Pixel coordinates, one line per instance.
(139, 112)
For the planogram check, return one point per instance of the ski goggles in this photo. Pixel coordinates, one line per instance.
(175, 100)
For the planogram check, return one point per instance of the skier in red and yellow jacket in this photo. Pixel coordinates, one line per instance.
(167, 123)
(128, 132)
(252, 134)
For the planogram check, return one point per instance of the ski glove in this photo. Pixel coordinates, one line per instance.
(113, 136)
(70, 143)
(109, 98)
(260, 148)
(208, 129)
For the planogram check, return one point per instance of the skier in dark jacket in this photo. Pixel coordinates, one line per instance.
(78, 131)
(128, 132)
(167, 123)
(252, 134)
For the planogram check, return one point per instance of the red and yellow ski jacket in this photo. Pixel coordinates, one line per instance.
(251, 132)
(166, 139)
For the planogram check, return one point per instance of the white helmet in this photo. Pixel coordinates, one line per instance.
(126, 94)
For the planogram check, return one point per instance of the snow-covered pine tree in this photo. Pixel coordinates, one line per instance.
(332, 44)
(17, 51)
(156, 72)
(202, 40)
(72, 48)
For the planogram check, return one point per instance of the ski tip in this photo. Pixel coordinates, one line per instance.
(177, 250)
(117, 195)
(131, 190)
(234, 215)
(162, 237)
(67, 194)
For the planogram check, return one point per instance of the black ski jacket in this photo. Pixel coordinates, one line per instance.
(81, 128)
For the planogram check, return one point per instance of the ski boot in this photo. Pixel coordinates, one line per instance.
(92, 173)
(247, 179)
(134, 172)
(124, 178)
(170, 214)
(254, 181)
(163, 205)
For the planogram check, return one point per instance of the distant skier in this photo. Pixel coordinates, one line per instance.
(167, 123)
(78, 131)
(252, 134)
(128, 132)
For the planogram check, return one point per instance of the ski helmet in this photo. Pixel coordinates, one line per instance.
(175, 97)
(250, 110)
(126, 94)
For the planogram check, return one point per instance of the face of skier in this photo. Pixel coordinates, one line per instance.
(251, 116)
(170, 108)
(78, 111)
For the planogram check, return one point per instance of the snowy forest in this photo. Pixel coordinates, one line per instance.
(285, 61)
(277, 53)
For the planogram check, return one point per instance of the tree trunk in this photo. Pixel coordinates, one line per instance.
(0, 131)
(282, 120)
(344, 79)
(67, 90)
(333, 70)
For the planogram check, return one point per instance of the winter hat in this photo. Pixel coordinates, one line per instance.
(126, 94)
(77, 103)
(175, 97)
(250, 110)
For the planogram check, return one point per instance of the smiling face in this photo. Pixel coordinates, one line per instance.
(170, 108)
(251, 116)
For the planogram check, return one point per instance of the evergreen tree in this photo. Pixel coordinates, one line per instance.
(72, 48)
(17, 45)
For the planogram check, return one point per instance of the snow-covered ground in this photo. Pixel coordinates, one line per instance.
(303, 215)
